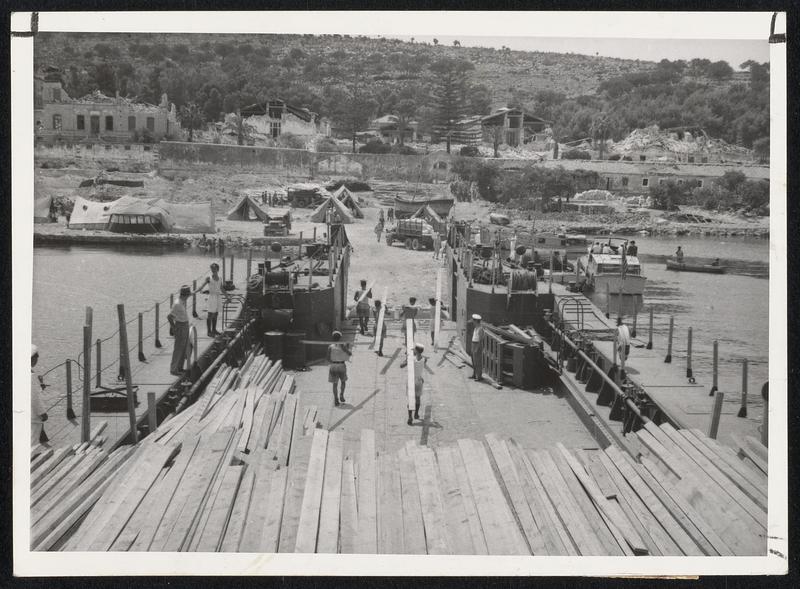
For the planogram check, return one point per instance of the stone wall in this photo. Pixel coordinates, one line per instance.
(99, 155)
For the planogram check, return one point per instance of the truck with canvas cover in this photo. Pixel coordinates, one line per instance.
(415, 234)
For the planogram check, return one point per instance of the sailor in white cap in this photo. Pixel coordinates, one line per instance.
(338, 354)
(38, 413)
(419, 380)
(476, 347)
(179, 322)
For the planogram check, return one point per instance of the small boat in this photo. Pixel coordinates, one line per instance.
(603, 272)
(405, 207)
(684, 267)
(498, 219)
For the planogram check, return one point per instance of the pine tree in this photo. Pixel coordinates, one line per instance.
(450, 88)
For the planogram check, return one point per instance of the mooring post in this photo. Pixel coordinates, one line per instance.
(743, 408)
(141, 338)
(765, 416)
(310, 272)
(194, 299)
(668, 359)
(650, 334)
(194, 344)
(87, 370)
(70, 410)
(224, 269)
(152, 422)
(716, 411)
(608, 300)
(158, 340)
(123, 339)
(619, 303)
(231, 267)
(689, 356)
(550, 283)
(300, 247)
(715, 368)
(315, 234)
(97, 361)
(249, 261)
(635, 316)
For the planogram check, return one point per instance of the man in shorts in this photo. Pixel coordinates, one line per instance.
(338, 354)
(419, 381)
(363, 307)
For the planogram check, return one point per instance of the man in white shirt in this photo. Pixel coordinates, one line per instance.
(476, 349)
(623, 340)
(338, 353)
(419, 380)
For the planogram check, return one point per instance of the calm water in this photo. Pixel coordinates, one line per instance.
(732, 308)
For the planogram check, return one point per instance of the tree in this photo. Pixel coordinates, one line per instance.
(350, 106)
(495, 134)
(243, 130)
(479, 99)
(213, 105)
(192, 117)
(405, 110)
(449, 93)
(456, 43)
(720, 70)
(435, 41)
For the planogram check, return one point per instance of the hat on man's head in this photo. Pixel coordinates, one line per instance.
(34, 351)
(476, 317)
(185, 291)
(336, 334)
(420, 347)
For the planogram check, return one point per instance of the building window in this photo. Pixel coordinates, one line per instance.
(147, 148)
(624, 180)
(699, 183)
(645, 182)
(131, 123)
(151, 123)
(661, 181)
(642, 158)
(57, 122)
(109, 123)
(127, 148)
(704, 159)
(108, 148)
(680, 182)
(274, 130)
(56, 94)
(81, 123)
(691, 159)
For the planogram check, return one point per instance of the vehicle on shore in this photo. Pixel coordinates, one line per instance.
(690, 267)
(603, 271)
(415, 234)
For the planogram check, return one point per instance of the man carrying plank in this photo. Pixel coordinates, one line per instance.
(362, 306)
(419, 381)
(338, 354)
(476, 349)
(380, 321)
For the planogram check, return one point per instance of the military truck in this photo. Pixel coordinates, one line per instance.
(415, 234)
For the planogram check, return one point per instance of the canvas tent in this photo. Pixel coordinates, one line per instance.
(429, 215)
(142, 216)
(247, 210)
(88, 214)
(41, 209)
(339, 212)
(191, 217)
(349, 200)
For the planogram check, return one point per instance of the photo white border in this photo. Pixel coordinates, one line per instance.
(643, 25)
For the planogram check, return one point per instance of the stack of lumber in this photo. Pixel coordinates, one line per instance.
(213, 477)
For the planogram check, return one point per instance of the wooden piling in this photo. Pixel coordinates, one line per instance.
(224, 269)
(171, 300)
(87, 370)
(743, 408)
(619, 302)
(152, 423)
(158, 340)
(668, 358)
(231, 267)
(765, 416)
(141, 338)
(194, 299)
(98, 361)
(310, 272)
(70, 410)
(315, 234)
(689, 373)
(716, 411)
(608, 300)
(300, 246)
(715, 368)
(650, 334)
(635, 317)
(125, 358)
(249, 261)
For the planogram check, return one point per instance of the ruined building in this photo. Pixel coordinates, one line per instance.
(275, 118)
(96, 118)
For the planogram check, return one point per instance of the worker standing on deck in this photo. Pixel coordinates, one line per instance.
(338, 354)
(419, 381)
(623, 340)
(381, 218)
(476, 349)
(679, 255)
(390, 214)
(377, 312)
(179, 323)
(437, 245)
(632, 249)
(214, 302)
(362, 306)
(38, 413)
(409, 312)
(379, 229)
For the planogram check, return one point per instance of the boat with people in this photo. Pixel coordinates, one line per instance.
(713, 268)
(603, 269)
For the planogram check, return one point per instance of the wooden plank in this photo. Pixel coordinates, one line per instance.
(287, 432)
(312, 496)
(348, 525)
(456, 520)
(431, 502)
(668, 513)
(556, 538)
(41, 459)
(68, 484)
(257, 512)
(328, 536)
(410, 397)
(650, 528)
(45, 469)
(743, 449)
(390, 514)
(470, 509)
(499, 528)
(367, 537)
(214, 529)
(272, 526)
(413, 527)
(380, 321)
(58, 474)
(237, 518)
(758, 448)
(294, 494)
(616, 520)
(267, 408)
(515, 495)
(247, 422)
(438, 311)
(598, 473)
(580, 532)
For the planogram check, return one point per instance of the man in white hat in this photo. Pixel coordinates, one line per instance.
(38, 413)
(338, 354)
(476, 348)
(419, 380)
(179, 321)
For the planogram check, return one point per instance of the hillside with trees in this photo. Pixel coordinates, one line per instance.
(353, 79)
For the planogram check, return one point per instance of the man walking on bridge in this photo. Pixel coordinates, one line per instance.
(476, 348)
(419, 380)
(338, 354)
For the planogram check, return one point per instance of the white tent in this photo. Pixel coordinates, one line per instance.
(88, 214)
(340, 213)
(243, 209)
(191, 217)
(349, 200)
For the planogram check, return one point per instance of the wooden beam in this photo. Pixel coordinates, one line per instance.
(410, 397)
(413, 528)
(381, 317)
(367, 538)
(438, 311)
(328, 535)
(308, 525)
(431, 502)
(348, 517)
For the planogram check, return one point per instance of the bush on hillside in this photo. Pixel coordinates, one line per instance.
(291, 141)
(352, 185)
(328, 145)
(375, 146)
(469, 151)
(404, 150)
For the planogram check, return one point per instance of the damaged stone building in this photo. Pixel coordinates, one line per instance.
(275, 118)
(516, 128)
(97, 117)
